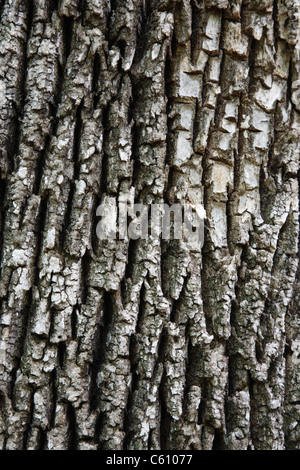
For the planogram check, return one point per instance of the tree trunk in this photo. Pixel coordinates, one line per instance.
(146, 343)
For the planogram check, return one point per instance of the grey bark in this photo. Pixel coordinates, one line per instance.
(147, 344)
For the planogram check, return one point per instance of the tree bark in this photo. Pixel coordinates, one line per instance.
(147, 344)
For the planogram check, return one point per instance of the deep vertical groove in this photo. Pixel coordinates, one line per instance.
(53, 385)
(72, 429)
(76, 169)
(165, 420)
(100, 344)
(3, 185)
(68, 24)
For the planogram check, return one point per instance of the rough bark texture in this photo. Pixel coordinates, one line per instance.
(146, 344)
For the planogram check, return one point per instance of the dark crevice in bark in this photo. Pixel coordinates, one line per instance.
(53, 107)
(203, 401)
(233, 318)
(40, 235)
(130, 111)
(252, 67)
(219, 441)
(138, 167)
(174, 310)
(68, 24)
(14, 138)
(287, 350)
(3, 185)
(100, 346)
(142, 36)
(40, 166)
(272, 163)
(123, 292)
(13, 378)
(82, 8)
(110, 16)
(149, 444)
(273, 368)
(229, 220)
(196, 123)
(196, 29)
(239, 282)
(142, 310)
(265, 193)
(42, 440)
(165, 418)
(133, 347)
(96, 77)
(85, 271)
(76, 172)
(77, 140)
(53, 385)
(61, 354)
(105, 159)
(53, 6)
(169, 170)
(205, 277)
(171, 176)
(259, 351)
(95, 221)
(162, 346)
(191, 372)
(234, 312)
(206, 285)
(289, 85)
(275, 22)
(1, 8)
(146, 9)
(74, 322)
(72, 428)
(231, 375)
(53, 314)
(121, 44)
(168, 84)
(132, 248)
